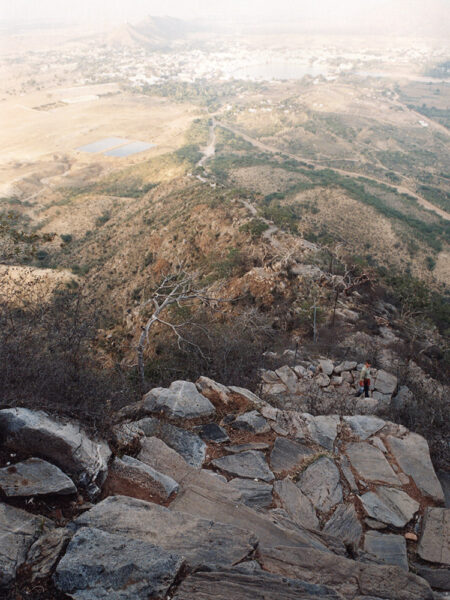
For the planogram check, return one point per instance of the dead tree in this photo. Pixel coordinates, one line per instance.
(178, 289)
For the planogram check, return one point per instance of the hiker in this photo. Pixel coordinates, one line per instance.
(364, 380)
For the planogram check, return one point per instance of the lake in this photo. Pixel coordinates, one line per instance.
(104, 144)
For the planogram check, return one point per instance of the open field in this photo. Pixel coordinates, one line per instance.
(31, 138)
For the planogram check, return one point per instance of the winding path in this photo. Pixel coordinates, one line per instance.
(399, 188)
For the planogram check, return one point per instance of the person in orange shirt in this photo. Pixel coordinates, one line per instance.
(364, 380)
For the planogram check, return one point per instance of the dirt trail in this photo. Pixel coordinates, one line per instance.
(210, 149)
(400, 189)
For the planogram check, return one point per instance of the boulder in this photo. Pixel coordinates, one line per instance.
(345, 525)
(300, 371)
(64, 444)
(353, 580)
(370, 463)
(250, 465)
(34, 477)
(347, 365)
(18, 531)
(323, 380)
(251, 421)
(434, 545)
(390, 505)
(247, 395)
(129, 476)
(298, 506)
(46, 551)
(187, 444)
(387, 547)
(211, 432)
(254, 493)
(200, 541)
(413, 456)
(326, 366)
(213, 390)
(269, 376)
(288, 377)
(181, 400)
(236, 585)
(320, 482)
(364, 426)
(98, 564)
(337, 380)
(385, 382)
(287, 455)
(274, 389)
(249, 567)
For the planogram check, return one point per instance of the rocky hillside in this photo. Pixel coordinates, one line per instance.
(206, 491)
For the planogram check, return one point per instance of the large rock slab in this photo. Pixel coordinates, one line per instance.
(347, 365)
(288, 377)
(353, 580)
(18, 531)
(251, 421)
(323, 429)
(200, 541)
(364, 426)
(390, 506)
(413, 456)
(248, 395)
(129, 476)
(385, 382)
(437, 578)
(250, 465)
(34, 477)
(254, 493)
(434, 543)
(298, 506)
(370, 463)
(287, 455)
(213, 390)
(320, 482)
(191, 447)
(46, 551)
(181, 400)
(236, 585)
(160, 457)
(387, 547)
(345, 525)
(212, 505)
(326, 366)
(64, 444)
(211, 432)
(104, 565)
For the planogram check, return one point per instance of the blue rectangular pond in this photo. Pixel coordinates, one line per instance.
(129, 149)
(102, 145)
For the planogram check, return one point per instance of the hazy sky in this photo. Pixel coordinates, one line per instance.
(324, 12)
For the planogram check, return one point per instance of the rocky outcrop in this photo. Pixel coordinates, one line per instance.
(34, 477)
(103, 565)
(63, 444)
(18, 531)
(181, 400)
(283, 503)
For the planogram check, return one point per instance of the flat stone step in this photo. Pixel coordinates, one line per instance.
(370, 463)
(287, 455)
(200, 541)
(98, 564)
(250, 465)
(235, 585)
(35, 477)
(388, 547)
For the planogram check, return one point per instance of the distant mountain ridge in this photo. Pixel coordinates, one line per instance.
(154, 32)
